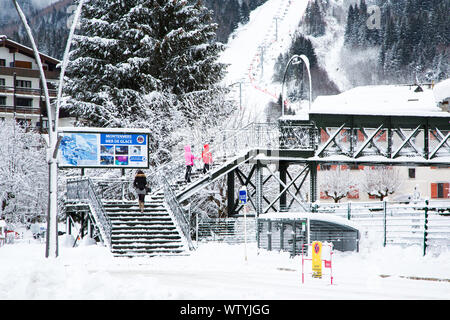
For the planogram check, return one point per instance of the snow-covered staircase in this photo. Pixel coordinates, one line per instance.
(152, 233)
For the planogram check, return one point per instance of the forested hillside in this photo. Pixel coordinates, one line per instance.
(50, 25)
(413, 38)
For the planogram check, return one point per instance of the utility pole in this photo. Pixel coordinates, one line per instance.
(261, 60)
(276, 28)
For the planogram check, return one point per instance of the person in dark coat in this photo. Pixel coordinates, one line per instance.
(140, 183)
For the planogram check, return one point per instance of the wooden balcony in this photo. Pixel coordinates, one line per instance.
(27, 91)
(28, 73)
(21, 110)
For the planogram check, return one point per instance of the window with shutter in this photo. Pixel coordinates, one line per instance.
(434, 191)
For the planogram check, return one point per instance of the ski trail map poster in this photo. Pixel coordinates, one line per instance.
(103, 150)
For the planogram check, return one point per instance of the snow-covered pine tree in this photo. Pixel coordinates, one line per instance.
(148, 64)
(314, 19)
(110, 67)
(186, 54)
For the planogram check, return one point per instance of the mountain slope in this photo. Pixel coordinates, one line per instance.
(253, 51)
(49, 23)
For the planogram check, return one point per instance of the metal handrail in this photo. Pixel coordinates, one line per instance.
(252, 136)
(83, 189)
(178, 212)
(26, 91)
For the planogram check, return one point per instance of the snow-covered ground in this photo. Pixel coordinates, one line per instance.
(219, 271)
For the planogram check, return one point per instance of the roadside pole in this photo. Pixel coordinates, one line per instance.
(51, 248)
(243, 201)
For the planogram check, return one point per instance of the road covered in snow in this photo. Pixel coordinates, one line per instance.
(220, 272)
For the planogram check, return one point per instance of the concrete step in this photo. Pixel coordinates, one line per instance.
(129, 254)
(147, 244)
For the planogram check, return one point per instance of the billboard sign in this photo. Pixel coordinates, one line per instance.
(103, 148)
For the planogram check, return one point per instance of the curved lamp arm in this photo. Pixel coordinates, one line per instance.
(297, 59)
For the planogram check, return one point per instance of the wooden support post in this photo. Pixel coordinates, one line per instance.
(282, 236)
(68, 225)
(390, 139)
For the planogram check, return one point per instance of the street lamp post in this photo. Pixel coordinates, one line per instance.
(51, 248)
(296, 59)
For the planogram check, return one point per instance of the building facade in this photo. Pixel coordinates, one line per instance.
(416, 181)
(21, 92)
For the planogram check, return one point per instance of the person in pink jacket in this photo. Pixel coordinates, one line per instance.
(189, 160)
(207, 158)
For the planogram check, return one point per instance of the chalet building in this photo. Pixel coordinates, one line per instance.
(21, 92)
(406, 100)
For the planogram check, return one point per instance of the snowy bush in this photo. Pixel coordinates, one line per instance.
(23, 173)
(380, 182)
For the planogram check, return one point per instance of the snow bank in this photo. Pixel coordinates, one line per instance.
(219, 271)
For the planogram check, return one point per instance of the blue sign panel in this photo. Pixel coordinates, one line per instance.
(123, 139)
(243, 196)
(107, 150)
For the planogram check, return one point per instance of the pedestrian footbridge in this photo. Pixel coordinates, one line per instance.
(260, 155)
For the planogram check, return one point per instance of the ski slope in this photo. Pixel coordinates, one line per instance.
(252, 51)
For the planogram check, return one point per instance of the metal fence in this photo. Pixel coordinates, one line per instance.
(282, 235)
(83, 190)
(227, 230)
(423, 223)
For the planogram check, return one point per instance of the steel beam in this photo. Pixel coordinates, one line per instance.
(230, 193)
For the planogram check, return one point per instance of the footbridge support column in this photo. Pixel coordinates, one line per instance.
(313, 181)
(259, 188)
(230, 193)
(283, 167)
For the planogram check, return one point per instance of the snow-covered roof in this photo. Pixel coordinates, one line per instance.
(103, 130)
(383, 100)
(4, 41)
(309, 215)
(442, 90)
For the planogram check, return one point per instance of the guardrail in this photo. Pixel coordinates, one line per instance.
(227, 230)
(83, 189)
(177, 211)
(421, 223)
(20, 109)
(27, 91)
